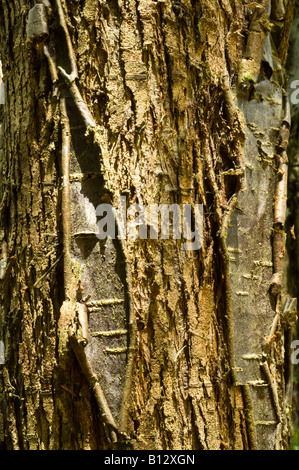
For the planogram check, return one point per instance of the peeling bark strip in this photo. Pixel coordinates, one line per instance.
(260, 24)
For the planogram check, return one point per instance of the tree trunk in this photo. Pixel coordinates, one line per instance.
(141, 343)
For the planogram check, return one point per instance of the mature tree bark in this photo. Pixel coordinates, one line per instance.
(140, 343)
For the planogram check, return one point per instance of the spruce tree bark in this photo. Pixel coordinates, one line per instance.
(141, 344)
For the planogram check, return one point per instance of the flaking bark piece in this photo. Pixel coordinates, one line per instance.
(37, 25)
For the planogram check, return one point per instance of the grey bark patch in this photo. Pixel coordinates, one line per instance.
(103, 269)
(37, 25)
(249, 239)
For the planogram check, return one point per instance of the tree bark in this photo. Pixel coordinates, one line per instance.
(142, 344)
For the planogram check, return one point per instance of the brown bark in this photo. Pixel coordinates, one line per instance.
(164, 102)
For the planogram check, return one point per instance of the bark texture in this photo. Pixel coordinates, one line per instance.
(292, 262)
(164, 102)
